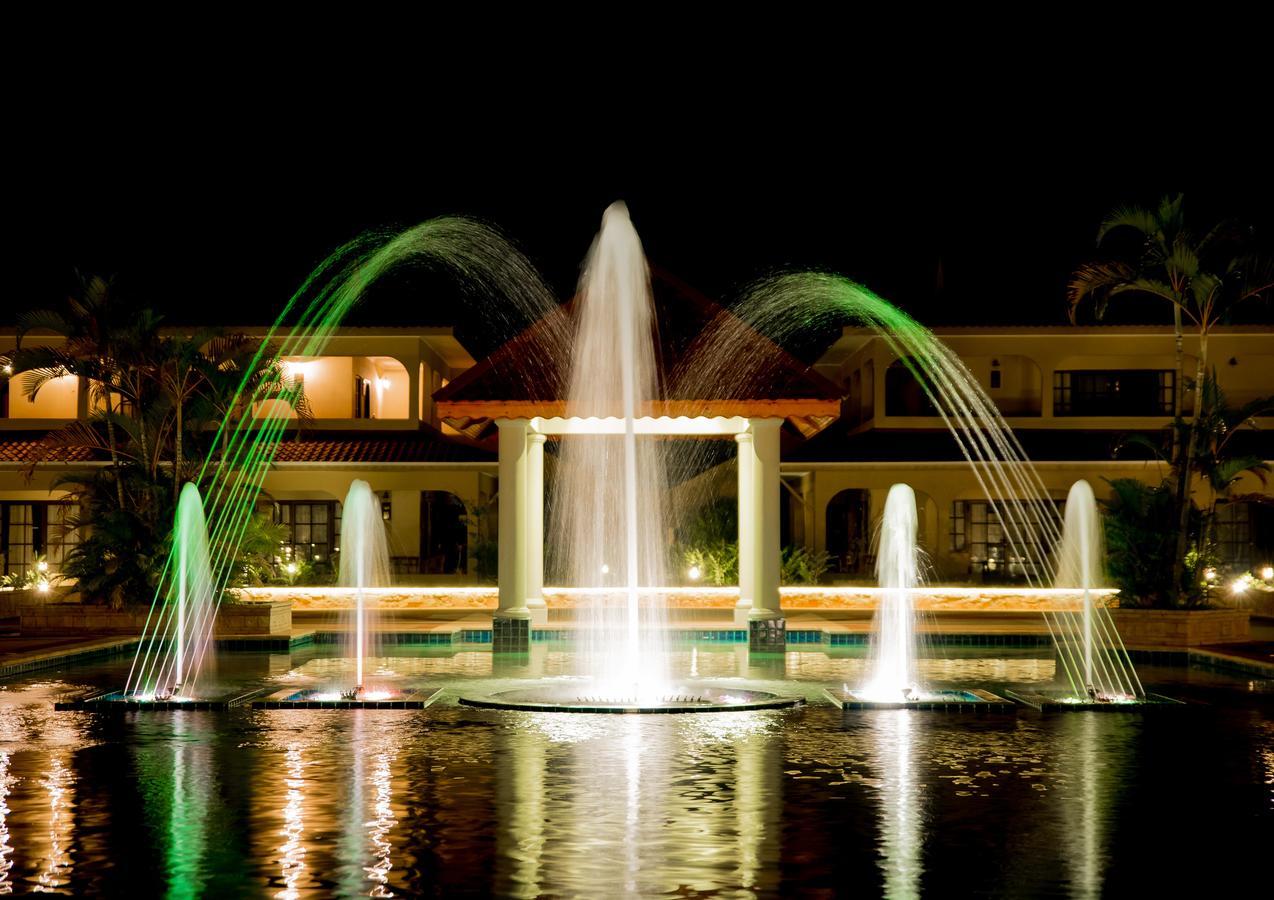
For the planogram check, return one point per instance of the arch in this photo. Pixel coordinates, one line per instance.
(848, 520)
(444, 534)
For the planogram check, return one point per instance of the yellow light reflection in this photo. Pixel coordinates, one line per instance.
(59, 784)
(6, 849)
(901, 831)
(382, 821)
(293, 850)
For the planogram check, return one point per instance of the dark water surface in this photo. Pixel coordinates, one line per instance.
(452, 801)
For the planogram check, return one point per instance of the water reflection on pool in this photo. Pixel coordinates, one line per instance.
(454, 800)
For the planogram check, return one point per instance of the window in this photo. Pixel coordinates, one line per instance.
(995, 376)
(979, 528)
(31, 530)
(312, 528)
(959, 515)
(1124, 392)
(1234, 534)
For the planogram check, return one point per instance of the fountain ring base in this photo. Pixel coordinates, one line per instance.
(567, 699)
(290, 698)
(1064, 701)
(971, 701)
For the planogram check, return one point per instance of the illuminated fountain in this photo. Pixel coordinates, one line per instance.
(175, 655)
(608, 503)
(892, 679)
(364, 564)
(1090, 654)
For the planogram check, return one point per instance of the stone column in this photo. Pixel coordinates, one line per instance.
(511, 625)
(535, 528)
(767, 630)
(747, 529)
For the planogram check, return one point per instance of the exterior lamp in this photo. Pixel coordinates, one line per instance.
(605, 569)
(1209, 574)
(382, 383)
(43, 586)
(1238, 586)
(42, 565)
(1268, 573)
(694, 573)
(8, 369)
(290, 568)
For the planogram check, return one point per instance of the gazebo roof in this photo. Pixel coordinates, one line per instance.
(526, 377)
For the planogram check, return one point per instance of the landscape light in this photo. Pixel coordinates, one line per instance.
(291, 568)
(694, 573)
(42, 587)
(42, 565)
(605, 569)
(1268, 573)
(1238, 586)
(1209, 574)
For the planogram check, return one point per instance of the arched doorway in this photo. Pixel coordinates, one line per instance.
(444, 534)
(848, 532)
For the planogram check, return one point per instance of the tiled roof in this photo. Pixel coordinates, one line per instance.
(424, 445)
(22, 446)
(527, 375)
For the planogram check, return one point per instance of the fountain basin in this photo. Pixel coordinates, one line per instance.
(121, 701)
(946, 701)
(575, 698)
(313, 698)
(1065, 701)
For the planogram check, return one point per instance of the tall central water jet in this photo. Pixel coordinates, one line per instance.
(1088, 644)
(364, 562)
(892, 674)
(608, 504)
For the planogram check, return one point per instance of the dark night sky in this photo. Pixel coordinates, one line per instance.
(220, 219)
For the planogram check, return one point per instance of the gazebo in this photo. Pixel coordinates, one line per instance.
(770, 394)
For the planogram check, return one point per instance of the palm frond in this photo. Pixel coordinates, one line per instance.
(1135, 217)
(1096, 281)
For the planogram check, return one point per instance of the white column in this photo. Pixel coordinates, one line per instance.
(747, 529)
(765, 512)
(535, 528)
(513, 504)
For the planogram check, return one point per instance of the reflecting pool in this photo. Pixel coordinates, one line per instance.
(453, 800)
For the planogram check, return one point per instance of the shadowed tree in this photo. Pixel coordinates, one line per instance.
(1203, 276)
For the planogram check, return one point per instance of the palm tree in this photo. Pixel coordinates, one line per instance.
(88, 330)
(1203, 277)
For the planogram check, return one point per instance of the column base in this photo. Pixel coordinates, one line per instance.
(767, 634)
(539, 616)
(511, 634)
(742, 616)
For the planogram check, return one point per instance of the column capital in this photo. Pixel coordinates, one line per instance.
(536, 438)
(743, 437)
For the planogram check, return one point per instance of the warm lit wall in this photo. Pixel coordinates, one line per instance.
(297, 481)
(57, 399)
(392, 390)
(329, 386)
